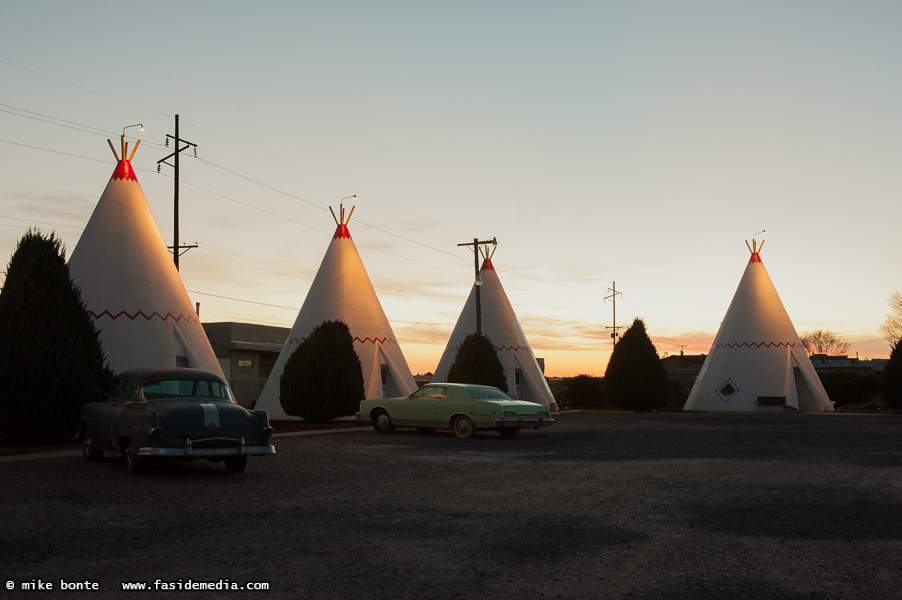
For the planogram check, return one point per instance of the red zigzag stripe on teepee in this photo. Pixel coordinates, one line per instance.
(509, 348)
(356, 339)
(142, 314)
(757, 345)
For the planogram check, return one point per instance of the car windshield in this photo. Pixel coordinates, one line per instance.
(486, 393)
(187, 388)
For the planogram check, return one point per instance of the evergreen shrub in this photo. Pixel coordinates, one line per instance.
(635, 379)
(477, 362)
(891, 383)
(323, 378)
(51, 361)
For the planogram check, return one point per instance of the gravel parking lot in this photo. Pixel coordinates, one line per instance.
(630, 506)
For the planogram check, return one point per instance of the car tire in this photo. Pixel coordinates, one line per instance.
(236, 464)
(382, 422)
(463, 427)
(89, 451)
(508, 433)
(134, 464)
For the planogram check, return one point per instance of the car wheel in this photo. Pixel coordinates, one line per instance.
(236, 464)
(382, 422)
(89, 451)
(134, 464)
(463, 427)
(508, 433)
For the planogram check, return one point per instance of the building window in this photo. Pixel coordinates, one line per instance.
(245, 363)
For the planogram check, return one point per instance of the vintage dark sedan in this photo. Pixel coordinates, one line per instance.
(173, 413)
(462, 407)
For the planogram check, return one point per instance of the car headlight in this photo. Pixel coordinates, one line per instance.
(508, 413)
(156, 433)
(543, 413)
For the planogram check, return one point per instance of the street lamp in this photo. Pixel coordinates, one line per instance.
(135, 125)
(341, 208)
(123, 146)
(755, 247)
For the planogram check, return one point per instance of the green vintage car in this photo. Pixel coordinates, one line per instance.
(461, 407)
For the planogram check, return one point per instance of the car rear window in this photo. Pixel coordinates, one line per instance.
(484, 393)
(185, 388)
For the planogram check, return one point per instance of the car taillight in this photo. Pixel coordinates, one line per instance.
(156, 433)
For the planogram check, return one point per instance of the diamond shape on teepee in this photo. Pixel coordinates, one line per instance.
(727, 390)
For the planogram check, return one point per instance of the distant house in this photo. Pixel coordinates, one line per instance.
(247, 354)
(825, 364)
(683, 366)
(682, 371)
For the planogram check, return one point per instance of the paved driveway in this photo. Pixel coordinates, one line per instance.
(630, 506)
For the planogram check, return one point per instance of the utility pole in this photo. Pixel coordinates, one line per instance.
(476, 243)
(176, 248)
(613, 298)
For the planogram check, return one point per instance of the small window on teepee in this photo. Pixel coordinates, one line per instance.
(727, 390)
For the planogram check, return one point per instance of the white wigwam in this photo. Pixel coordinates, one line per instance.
(525, 380)
(130, 285)
(757, 362)
(342, 291)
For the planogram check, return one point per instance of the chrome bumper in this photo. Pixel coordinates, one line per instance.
(528, 422)
(199, 449)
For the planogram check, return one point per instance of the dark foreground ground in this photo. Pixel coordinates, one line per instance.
(629, 506)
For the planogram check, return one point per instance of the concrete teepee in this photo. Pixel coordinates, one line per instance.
(130, 284)
(525, 380)
(757, 362)
(342, 291)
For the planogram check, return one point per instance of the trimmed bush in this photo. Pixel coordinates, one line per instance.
(583, 391)
(51, 361)
(847, 388)
(891, 383)
(323, 378)
(477, 362)
(635, 378)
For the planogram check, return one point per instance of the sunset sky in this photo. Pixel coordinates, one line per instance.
(636, 142)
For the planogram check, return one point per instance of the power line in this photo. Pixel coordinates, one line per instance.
(97, 131)
(294, 308)
(75, 85)
(53, 151)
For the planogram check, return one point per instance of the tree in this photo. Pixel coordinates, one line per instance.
(583, 390)
(323, 378)
(477, 362)
(635, 378)
(51, 361)
(825, 342)
(891, 383)
(892, 326)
